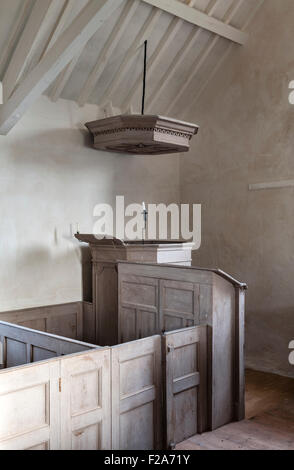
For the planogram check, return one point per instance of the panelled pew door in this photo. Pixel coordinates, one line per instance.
(137, 395)
(185, 376)
(85, 401)
(29, 407)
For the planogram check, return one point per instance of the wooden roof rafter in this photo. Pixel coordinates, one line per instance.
(26, 45)
(39, 25)
(198, 18)
(15, 32)
(38, 80)
(111, 43)
(179, 58)
(222, 59)
(143, 34)
(166, 41)
(198, 63)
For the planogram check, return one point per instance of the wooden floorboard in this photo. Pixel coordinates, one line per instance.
(269, 423)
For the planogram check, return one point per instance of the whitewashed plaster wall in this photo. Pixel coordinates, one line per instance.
(247, 136)
(50, 179)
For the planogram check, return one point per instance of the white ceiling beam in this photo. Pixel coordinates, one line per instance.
(39, 79)
(168, 37)
(198, 18)
(15, 32)
(179, 59)
(197, 64)
(64, 76)
(222, 59)
(26, 45)
(62, 79)
(61, 24)
(108, 49)
(143, 34)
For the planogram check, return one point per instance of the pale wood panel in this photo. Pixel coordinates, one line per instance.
(185, 364)
(165, 271)
(89, 323)
(58, 404)
(64, 320)
(138, 308)
(136, 395)
(29, 404)
(149, 305)
(85, 401)
(179, 305)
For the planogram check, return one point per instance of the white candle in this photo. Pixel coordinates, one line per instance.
(143, 206)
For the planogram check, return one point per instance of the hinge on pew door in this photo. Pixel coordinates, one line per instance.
(170, 348)
(59, 382)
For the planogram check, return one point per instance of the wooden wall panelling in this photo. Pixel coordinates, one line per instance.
(65, 320)
(179, 305)
(137, 395)
(185, 376)
(163, 271)
(138, 308)
(29, 404)
(89, 323)
(85, 401)
(167, 304)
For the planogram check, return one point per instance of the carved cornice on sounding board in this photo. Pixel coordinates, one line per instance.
(139, 134)
(144, 129)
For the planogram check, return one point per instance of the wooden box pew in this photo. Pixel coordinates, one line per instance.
(142, 395)
(20, 345)
(63, 320)
(54, 392)
(73, 320)
(177, 369)
(154, 299)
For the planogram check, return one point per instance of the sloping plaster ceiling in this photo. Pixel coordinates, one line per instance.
(182, 58)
